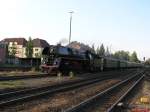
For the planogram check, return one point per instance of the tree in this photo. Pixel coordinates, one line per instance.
(147, 62)
(93, 48)
(98, 50)
(29, 48)
(123, 55)
(107, 53)
(102, 50)
(134, 57)
(7, 51)
(12, 50)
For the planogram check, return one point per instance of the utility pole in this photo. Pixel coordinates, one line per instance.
(71, 12)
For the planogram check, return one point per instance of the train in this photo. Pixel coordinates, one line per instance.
(63, 59)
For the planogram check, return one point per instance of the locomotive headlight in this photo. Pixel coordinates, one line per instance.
(42, 60)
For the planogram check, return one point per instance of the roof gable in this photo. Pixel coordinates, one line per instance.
(20, 41)
(40, 43)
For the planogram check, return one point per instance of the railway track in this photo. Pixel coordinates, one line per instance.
(7, 78)
(42, 75)
(107, 100)
(11, 98)
(22, 96)
(52, 80)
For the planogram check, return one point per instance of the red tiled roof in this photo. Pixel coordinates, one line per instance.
(20, 41)
(40, 43)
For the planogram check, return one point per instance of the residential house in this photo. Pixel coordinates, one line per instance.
(3, 52)
(38, 46)
(19, 44)
(20, 47)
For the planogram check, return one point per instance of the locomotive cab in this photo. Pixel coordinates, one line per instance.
(95, 62)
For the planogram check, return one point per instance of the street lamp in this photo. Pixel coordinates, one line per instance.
(71, 12)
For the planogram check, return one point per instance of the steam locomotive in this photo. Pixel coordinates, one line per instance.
(57, 58)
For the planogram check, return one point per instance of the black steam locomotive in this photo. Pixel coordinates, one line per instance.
(64, 59)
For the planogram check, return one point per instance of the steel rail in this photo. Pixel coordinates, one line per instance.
(11, 93)
(78, 107)
(125, 94)
(7, 78)
(41, 75)
(29, 94)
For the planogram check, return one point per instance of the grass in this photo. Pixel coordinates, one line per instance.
(11, 84)
(16, 73)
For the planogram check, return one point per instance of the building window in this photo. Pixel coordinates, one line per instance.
(36, 49)
(15, 43)
(1, 45)
(10, 43)
(37, 55)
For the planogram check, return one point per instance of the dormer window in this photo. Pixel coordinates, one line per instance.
(10, 43)
(15, 43)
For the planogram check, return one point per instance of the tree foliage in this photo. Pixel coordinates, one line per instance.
(107, 52)
(97, 50)
(12, 50)
(100, 50)
(93, 48)
(147, 62)
(134, 57)
(29, 48)
(123, 55)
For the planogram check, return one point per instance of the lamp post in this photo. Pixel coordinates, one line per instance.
(71, 12)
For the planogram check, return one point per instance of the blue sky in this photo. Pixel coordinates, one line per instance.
(119, 24)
